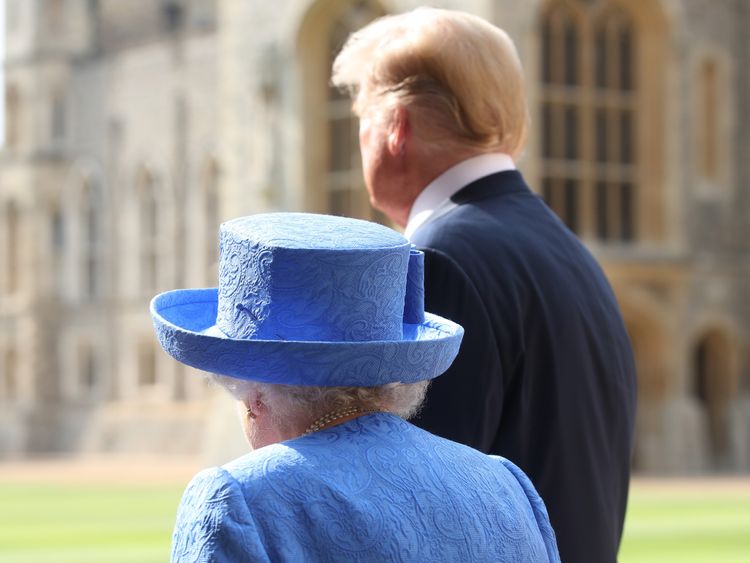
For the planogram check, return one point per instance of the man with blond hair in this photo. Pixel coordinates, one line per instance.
(545, 375)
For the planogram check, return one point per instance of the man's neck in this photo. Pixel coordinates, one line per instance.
(442, 187)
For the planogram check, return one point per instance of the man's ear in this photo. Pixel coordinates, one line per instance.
(398, 132)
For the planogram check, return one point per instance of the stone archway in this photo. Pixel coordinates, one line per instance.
(713, 385)
(648, 339)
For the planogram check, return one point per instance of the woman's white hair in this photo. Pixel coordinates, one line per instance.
(301, 403)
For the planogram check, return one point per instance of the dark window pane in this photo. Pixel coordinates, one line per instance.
(147, 365)
(92, 225)
(58, 230)
(600, 137)
(602, 221)
(571, 133)
(58, 119)
(600, 59)
(627, 220)
(626, 137)
(571, 55)
(626, 60)
(340, 202)
(340, 146)
(89, 375)
(547, 131)
(571, 204)
(91, 276)
(547, 190)
(172, 15)
(546, 52)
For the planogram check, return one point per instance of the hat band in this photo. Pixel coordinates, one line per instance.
(414, 301)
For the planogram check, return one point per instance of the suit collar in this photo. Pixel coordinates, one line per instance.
(494, 185)
(437, 194)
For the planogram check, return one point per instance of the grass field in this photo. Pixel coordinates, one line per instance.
(90, 523)
(86, 524)
(688, 522)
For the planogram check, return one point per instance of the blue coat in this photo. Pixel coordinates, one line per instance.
(375, 489)
(545, 375)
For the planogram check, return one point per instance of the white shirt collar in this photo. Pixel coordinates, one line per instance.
(449, 182)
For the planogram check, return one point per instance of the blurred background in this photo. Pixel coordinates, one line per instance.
(132, 128)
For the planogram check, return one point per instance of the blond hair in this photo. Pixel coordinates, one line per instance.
(458, 76)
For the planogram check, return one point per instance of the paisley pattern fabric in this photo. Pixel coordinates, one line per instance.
(372, 489)
(309, 299)
(294, 276)
(414, 307)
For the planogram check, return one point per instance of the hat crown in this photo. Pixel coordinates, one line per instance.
(311, 277)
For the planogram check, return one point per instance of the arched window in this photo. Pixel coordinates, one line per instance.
(57, 244)
(92, 239)
(345, 192)
(148, 232)
(714, 387)
(89, 381)
(11, 268)
(334, 165)
(588, 94)
(708, 113)
(648, 339)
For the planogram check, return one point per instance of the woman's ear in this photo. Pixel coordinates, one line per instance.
(254, 404)
(398, 132)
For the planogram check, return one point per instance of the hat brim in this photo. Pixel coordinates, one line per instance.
(184, 321)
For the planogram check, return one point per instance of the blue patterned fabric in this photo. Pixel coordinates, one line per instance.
(372, 489)
(308, 299)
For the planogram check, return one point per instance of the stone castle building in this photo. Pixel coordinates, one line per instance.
(134, 127)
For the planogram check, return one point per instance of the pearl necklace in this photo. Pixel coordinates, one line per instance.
(333, 416)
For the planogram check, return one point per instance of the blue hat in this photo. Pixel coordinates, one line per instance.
(310, 300)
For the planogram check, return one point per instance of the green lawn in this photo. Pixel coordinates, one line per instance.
(91, 524)
(86, 524)
(688, 525)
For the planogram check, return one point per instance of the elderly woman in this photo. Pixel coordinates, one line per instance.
(318, 330)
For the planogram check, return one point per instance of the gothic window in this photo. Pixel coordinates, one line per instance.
(346, 192)
(10, 273)
(88, 371)
(588, 119)
(91, 221)
(172, 14)
(334, 163)
(708, 120)
(713, 388)
(57, 244)
(148, 232)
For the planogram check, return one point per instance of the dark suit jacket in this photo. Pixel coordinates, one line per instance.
(545, 375)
